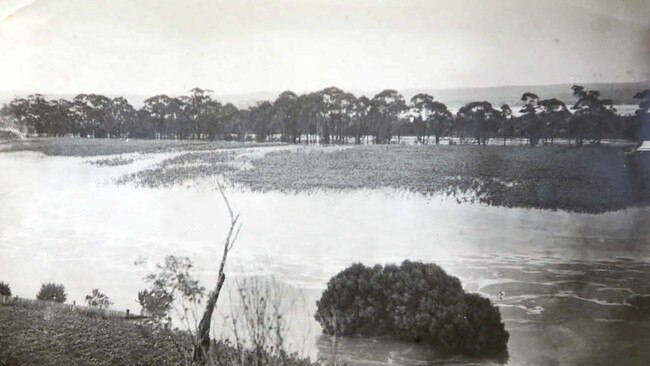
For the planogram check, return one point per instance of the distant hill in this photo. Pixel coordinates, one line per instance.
(621, 93)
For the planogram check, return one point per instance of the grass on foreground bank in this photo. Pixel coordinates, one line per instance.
(32, 335)
(587, 179)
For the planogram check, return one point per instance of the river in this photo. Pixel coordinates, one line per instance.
(566, 276)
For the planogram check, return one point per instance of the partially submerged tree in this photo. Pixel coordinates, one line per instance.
(202, 339)
(413, 301)
(173, 288)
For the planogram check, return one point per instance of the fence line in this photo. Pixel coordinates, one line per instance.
(83, 309)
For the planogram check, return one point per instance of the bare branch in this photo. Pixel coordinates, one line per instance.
(202, 341)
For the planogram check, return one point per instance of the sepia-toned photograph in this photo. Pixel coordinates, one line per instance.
(324, 182)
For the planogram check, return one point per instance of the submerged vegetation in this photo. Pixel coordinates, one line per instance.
(116, 161)
(99, 147)
(590, 180)
(414, 301)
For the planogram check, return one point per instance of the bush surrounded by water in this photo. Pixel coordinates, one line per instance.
(414, 301)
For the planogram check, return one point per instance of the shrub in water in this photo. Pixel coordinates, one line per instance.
(414, 301)
(4, 289)
(51, 292)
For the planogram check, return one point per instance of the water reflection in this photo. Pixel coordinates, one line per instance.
(382, 351)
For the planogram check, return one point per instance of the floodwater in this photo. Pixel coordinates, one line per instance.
(566, 277)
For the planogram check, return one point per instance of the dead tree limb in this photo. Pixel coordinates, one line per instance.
(202, 340)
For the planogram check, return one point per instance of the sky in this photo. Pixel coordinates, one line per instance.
(170, 46)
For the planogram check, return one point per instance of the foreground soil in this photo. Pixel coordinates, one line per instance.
(53, 336)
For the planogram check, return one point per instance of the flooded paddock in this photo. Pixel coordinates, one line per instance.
(561, 280)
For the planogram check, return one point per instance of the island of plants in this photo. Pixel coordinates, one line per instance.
(414, 301)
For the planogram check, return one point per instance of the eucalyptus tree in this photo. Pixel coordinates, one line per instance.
(210, 119)
(386, 110)
(592, 115)
(157, 107)
(259, 120)
(20, 113)
(310, 115)
(39, 111)
(429, 117)
(338, 107)
(121, 114)
(93, 111)
(198, 108)
(643, 115)
(34, 113)
(61, 118)
(554, 115)
(478, 119)
(285, 116)
(358, 127)
(506, 123)
(530, 122)
(229, 118)
(179, 119)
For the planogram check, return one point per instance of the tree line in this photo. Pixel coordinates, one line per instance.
(328, 116)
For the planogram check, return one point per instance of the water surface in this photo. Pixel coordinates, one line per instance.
(566, 276)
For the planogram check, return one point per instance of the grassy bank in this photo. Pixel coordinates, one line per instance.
(53, 336)
(589, 179)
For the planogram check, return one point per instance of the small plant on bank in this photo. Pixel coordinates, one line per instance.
(414, 301)
(52, 292)
(98, 299)
(5, 290)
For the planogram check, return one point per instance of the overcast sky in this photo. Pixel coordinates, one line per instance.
(170, 46)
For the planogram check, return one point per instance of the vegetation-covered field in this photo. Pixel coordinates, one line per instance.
(56, 336)
(590, 179)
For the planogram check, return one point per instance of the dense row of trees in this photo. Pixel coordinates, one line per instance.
(327, 116)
